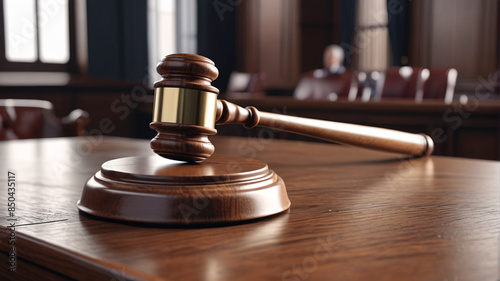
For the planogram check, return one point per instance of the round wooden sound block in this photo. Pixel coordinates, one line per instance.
(152, 189)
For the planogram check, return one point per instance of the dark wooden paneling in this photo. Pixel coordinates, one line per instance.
(440, 39)
(316, 12)
(313, 42)
(477, 143)
(110, 114)
(319, 27)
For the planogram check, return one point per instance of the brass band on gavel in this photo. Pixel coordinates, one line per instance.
(185, 106)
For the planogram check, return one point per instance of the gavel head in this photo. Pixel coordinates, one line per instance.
(185, 108)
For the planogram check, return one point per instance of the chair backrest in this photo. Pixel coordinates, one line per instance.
(245, 85)
(440, 84)
(401, 83)
(368, 83)
(326, 87)
(26, 119)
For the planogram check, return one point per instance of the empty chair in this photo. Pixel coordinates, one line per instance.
(440, 84)
(401, 83)
(244, 85)
(26, 119)
(367, 84)
(315, 85)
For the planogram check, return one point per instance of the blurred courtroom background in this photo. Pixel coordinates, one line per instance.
(100, 56)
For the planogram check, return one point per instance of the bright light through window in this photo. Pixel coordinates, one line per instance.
(54, 31)
(28, 38)
(20, 30)
(171, 29)
(166, 27)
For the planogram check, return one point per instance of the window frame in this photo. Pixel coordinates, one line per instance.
(70, 66)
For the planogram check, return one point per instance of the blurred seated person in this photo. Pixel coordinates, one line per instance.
(328, 83)
(333, 57)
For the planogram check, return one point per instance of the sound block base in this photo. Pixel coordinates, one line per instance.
(151, 189)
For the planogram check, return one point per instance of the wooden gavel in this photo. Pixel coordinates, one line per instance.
(186, 110)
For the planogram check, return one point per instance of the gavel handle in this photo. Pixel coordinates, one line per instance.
(349, 134)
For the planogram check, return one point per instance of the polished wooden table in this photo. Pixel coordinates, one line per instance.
(355, 215)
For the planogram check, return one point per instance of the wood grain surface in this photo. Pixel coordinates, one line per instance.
(355, 215)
